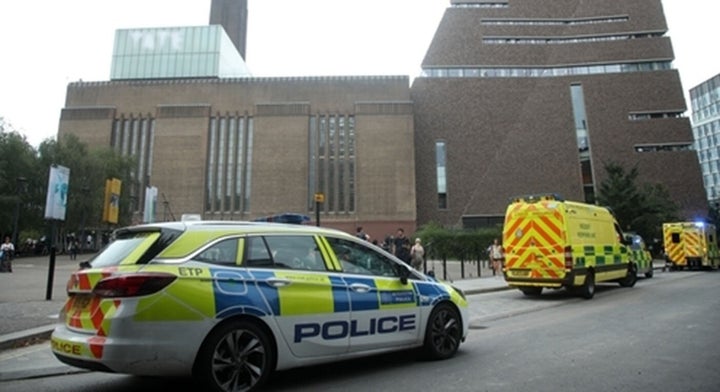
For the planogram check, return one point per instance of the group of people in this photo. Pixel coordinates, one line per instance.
(399, 245)
(414, 255)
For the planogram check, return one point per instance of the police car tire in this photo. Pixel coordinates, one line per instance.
(443, 333)
(244, 335)
(587, 290)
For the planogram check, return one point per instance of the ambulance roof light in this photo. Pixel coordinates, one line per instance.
(532, 198)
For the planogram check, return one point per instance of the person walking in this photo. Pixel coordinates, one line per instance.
(7, 252)
(417, 255)
(496, 255)
(359, 233)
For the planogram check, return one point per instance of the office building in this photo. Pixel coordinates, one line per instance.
(705, 103)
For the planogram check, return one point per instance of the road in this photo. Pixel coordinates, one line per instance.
(661, 335)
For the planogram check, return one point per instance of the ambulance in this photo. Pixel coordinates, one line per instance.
(691, 245)
(553, 243)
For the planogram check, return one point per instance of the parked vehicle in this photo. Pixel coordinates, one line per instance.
(553, 243)
(691, 245)
(230, 302)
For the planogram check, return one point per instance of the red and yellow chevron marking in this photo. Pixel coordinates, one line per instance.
(534, 241)
(690, 245)
(84, 310)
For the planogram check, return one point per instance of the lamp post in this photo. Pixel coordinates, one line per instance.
(19, 181)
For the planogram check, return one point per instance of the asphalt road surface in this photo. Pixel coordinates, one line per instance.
(661, 335)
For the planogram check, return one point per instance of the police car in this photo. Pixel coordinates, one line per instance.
(230, 302)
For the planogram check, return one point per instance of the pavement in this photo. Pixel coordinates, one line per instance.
(31, 298)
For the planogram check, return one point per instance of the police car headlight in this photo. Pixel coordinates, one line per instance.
(460, 292)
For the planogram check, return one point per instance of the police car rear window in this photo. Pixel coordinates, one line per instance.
(134, 247)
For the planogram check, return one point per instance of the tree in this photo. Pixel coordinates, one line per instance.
(639, 208)
(88, 171)
(18, 168)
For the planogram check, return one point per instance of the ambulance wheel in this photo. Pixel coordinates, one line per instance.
(531, 291)
(236, 356)
(650, 273)
(587, 290)
(443, 332)
(631, 277)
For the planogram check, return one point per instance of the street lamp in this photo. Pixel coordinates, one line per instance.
(19, 181)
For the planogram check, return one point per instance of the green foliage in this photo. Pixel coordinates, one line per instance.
(640, 208)
(457, 244)
(88, 171)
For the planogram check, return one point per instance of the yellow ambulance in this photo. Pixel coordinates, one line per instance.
(691, 245)
(554, 243)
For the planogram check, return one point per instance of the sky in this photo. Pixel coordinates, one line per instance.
(47, 44)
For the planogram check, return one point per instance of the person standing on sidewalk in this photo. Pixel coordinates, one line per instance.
(417, 255)
(401, 246)
(7, 249)
(496, 255)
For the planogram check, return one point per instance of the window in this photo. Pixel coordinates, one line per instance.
(229, 161)
(331, 165)
(284, 251)
(441, 168)
(359, 259)
(296, 252)
(224, 252)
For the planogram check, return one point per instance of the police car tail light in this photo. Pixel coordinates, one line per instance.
(568, 257)
(132, 285)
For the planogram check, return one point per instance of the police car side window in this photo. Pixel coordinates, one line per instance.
(299, 252)
(359, 259)
(223, 253)
(257, 253)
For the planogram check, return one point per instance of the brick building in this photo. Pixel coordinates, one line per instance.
(516, 97)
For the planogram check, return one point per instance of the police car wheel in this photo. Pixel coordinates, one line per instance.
(443, 334)
(237, 356)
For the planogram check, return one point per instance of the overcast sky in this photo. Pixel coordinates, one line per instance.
(46, 44)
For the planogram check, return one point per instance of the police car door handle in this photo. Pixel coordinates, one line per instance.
(275, 282)
(360, 288)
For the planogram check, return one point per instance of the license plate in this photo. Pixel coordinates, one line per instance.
(520, 273)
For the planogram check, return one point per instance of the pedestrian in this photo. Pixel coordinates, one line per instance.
(496, 255)
(417, 255)
(74, 244)
(359, 233)
(401, 246)
(7, 252)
